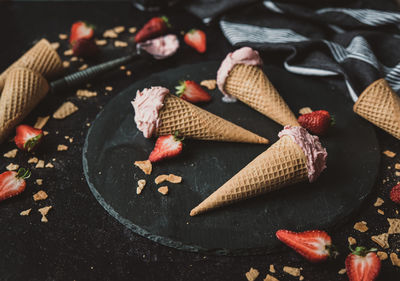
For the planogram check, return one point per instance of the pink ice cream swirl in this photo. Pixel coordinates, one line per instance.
(161, 47)
(245, 55)
(147, 105)
(312, 148)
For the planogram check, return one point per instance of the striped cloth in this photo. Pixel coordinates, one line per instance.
(360, 45)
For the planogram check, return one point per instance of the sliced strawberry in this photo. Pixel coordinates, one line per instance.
(316, 122)
(85, 48)
(363, 265)
(166, 147)
(27, 138)
(395, 194)
(155, 27)
(314, 245)
(79, 30)
(13, 183)
(192, 92)
(196, 39)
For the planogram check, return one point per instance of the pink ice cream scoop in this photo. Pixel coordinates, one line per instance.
(161, 47)
(147, 105)
(312, 148)
(245, 55)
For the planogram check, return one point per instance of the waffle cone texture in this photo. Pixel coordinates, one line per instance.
(380, 105)
(23, 90)
(41, 58)
(194, 122)
(282, 164)
(250, 85)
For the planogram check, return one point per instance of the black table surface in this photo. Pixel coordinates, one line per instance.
(81, 241)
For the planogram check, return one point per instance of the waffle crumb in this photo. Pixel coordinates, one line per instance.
(74, 59)
(381, 240)
(40, 164)
(163, 190)
(101, 42)
(342, 271)
(145, 166)
(174, 178)
(128, 73)
(11, 154)
(44, 211)
(382, 255)
(394, 226)
(132, 29)
(301, 278)
(33, 160)
(68, 52)
(252, 274)
(85, 93)
(305, 110)
(55, 45)
(121, 44)
(40, 122)
(272, 268)
(361, 226)
(83, 67)
(62, 36)
(397, 166)
(270, 278)
(141, 185)
(62, 147)
(294, 271)
(25, 212)
(40, 195)
(209, 84)
(351, 240)
(381, 212)
(12, 167)
(389, 153)
(108, 88)
(160, 179)
(119, 29)
(379, 201)
(49, 165)
(395, 259)
(66, 109)
(110, 33)
(39, 181)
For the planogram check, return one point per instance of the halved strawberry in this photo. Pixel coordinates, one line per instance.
(362, 264)
(85, 48)
(166, 147)
(13, 183)
(196, 39)
(314, 245)
(317, 122)
(27, 138)
(395, 194)
(192, 92)
(155, 27)
(81, 29)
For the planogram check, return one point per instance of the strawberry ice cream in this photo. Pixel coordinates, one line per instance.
(245, 55)
(161, 47)
(147, 105)
(312, 148)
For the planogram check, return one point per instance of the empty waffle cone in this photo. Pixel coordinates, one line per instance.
(380, 105)
(22, 91)
(194, 122)
(250, 85)
(282, 164)
(41, 58)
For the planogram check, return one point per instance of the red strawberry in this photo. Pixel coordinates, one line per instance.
(196, 38)
(314, 245)
(13, 183)
(362, 265)
(192, 92)
(85, 48)
(316, 122)
(27, 138)
(395, 194)
(79, 30)
(157, 26)
(166, 147)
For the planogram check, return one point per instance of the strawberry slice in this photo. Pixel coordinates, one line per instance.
(27, 138)
(85, 48)
(314, 245)
(196, 39)
(192, 92)
(362, 264)
(316, 122)
(395, 194)
(155, 27)
(13, 183)
(80, 29)
(166, 147)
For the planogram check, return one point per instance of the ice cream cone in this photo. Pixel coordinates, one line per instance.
(194, 122)
(41, 58)
(282, 164)
(380, 105)
(249, 84)
(22, 91)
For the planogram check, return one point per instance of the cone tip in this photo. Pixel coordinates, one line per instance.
(193, 212)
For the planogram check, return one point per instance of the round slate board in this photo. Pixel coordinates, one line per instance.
(113, 144)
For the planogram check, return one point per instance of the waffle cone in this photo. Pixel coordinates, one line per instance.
(41, 58)
(194, 122)
(22, 91)
(250, 85)
(380, 105)
(282, 164)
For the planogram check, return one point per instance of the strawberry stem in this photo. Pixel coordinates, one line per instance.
(362, 251)
(23, 173)
(333, 121)
(166, 20)
(32, 142)
(180, 89)
(177, 136)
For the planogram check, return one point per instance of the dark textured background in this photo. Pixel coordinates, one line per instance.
(81, 241)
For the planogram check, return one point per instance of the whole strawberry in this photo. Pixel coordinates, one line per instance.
(27, 138)
(314, 245)
(166, 147)
(13, 183)
(395, 194)
(196, 39)
(316, 122)
(79, 30)
(85, 48)
(155, 27)
(363, 264)
(192, 92)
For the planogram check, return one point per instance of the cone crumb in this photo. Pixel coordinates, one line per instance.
(66, 109)
(209, 84)
(44, 211)
(121, 44)
(145, 166)
(389, 153)
(270, 278)
(381, 212)
(26, 212)
(132, 29)
(305, 110)
(40, 195)
(395, 259)
(342, 271)
(62, 147)
(252, 274)
(160, 179)
(379, 201)
(174, 179)
(119, 29)
(33, 160)
(101, 42)
(361, 226)
(39, 181)
(85, 93)
(40, 164)
(294, 271)
(110, 34)
(62, 36)
(381, 240)
(68, 52)
(41, 122)
(271, 268)
(11, 153)
(394, 227)
(163, 190)
(141, 184)
(12, 167)
(382, 255)
(351, 240)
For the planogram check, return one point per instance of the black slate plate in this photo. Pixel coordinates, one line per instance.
(113, 143)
